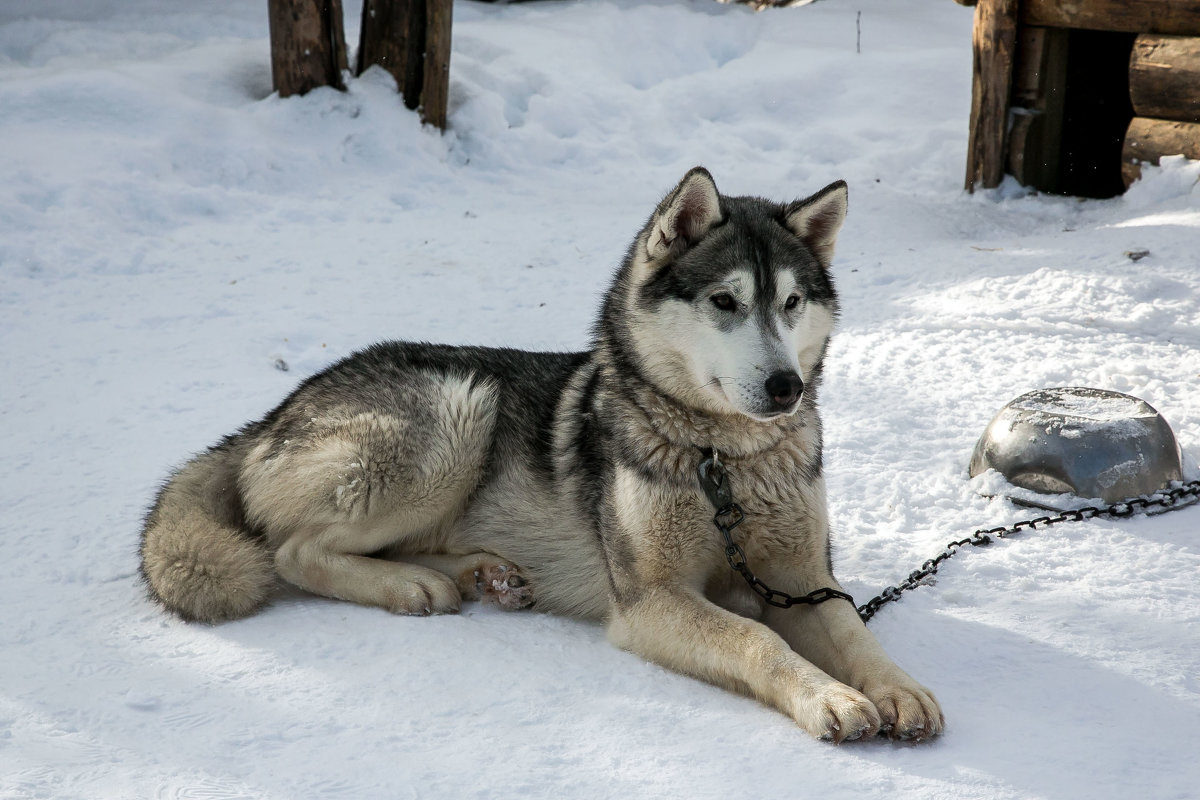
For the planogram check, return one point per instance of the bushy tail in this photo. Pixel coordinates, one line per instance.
(198, 556)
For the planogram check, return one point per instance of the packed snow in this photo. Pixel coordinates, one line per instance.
(179, 246)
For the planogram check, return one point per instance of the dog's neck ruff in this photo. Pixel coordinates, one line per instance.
(668, 438)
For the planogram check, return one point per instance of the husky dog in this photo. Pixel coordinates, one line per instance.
(415, 476)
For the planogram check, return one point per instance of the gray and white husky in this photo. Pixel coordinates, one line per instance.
(415, 476)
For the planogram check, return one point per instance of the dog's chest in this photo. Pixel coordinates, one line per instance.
(784, 509)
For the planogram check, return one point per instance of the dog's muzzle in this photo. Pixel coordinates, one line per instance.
(784, 389)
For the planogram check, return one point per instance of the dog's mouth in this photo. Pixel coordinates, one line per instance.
(771, 416)
(766, 411)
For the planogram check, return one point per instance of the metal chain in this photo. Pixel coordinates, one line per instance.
(1165, 500)
(730, 517)
(715, 482)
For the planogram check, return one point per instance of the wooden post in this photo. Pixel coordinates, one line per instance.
(411, 40)
(1164, 77)
(1151, 139)
(993, 42)
(308, 48)
(435, 90)
(393, 36)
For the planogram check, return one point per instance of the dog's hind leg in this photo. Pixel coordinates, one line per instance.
(317, 563)
(353, 482)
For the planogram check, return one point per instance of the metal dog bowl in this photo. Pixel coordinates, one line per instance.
(1088, 442)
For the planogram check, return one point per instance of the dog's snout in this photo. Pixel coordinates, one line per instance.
(784, 389)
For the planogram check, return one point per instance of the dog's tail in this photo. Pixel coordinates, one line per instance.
(198, 556)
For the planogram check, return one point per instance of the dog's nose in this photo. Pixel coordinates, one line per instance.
(785, 388)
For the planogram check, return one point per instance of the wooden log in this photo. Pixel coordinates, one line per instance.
(435, 90)
(1131, 16)
(393, 36)
(993, 42)
(1148, 140)
(308, 47)
(1164, 77)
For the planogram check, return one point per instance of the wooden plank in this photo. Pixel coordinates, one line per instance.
(393, 36)
(337, 40)
(1132, 16)
(1164, 77)
(308, 48)
(1038, 99)
(435, 91)
(1148, 140)
(993, 42)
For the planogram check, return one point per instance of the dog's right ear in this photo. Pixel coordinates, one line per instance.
(817, 219)
(685, 215)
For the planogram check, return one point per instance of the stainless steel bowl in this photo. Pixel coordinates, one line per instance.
(1088, 442)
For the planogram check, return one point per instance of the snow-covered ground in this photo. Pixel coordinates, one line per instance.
(171, 234)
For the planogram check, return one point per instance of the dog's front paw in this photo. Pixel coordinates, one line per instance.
(839, 713)
(907, 710)
(502, 584)
(422, 595)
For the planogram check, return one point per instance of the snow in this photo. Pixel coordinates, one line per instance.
(172, 235)
(1082, 407)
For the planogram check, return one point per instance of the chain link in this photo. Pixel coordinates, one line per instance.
(715, 482)
(1165, 500)
(730, 517)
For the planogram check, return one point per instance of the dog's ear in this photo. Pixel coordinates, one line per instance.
(685, 215)
(818, 219)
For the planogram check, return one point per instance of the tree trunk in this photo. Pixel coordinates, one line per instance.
(308, 48)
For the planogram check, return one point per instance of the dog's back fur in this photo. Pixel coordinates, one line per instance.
(413, 476)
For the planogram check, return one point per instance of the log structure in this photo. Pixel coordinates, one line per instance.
(1164, 77)
(1070, 96)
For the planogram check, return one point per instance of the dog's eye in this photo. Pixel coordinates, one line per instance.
(792, 302)
(724, 301)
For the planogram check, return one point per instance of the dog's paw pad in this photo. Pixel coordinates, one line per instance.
(503, 585)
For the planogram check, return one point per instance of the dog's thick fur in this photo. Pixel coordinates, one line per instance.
(413, 476)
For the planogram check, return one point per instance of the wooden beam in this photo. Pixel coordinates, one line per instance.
(435, 89)
(411, 40)
(1148, 140)
(1164, 77)
(308, 48)
(1131, 16)
(393, 36)
(993, 43)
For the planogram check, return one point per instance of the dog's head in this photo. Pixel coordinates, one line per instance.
(725, 303)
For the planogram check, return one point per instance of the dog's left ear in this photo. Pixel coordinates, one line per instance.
(818, 219)
(685, 214)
